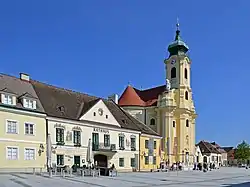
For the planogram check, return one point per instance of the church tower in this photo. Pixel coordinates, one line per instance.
(168, 109)
(176, 106)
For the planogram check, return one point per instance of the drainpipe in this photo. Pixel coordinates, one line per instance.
(46, 138)
(139, 159)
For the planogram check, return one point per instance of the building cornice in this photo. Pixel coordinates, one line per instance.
(22, 111)
(151, 136)
(90, 124)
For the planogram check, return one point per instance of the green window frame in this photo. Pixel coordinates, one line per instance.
(121, 162)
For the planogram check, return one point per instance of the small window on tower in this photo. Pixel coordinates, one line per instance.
(186, 95)
(174, 124)
(152, 121)
(187, 123)
(173, 72)
(186, 73)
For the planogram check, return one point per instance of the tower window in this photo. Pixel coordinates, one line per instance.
(173, 72)
(186, 95)
(186, 73)
(152, 121)
(187, 123)
(174, 124)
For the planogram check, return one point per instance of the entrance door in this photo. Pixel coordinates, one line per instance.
(77, 161)
(102, 160)
(95, 141)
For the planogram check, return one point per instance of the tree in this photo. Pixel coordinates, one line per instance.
(242, 152)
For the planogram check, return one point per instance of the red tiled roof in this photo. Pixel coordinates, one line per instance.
(134, 97)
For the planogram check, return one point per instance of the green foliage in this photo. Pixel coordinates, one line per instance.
(242, 152)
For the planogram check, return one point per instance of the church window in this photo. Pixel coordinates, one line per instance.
(186, 73)
(186, 95)
(187, 123)
(174, 124)
(173, 72)
(152, 121)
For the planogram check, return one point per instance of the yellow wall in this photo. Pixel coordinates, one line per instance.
(22, 141)
(144, 151)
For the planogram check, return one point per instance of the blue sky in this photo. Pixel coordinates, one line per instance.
(99, 46)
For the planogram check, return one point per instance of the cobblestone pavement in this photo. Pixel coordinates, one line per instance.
(235, 177)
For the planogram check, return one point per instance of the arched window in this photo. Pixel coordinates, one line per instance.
(187, 123)
(152, 121)
(186, 73)
(186, 95)
(173, 72)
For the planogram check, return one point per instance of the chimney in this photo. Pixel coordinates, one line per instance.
(24, 77)
(114, 98)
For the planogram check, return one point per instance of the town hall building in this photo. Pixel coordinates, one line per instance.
(168, 109)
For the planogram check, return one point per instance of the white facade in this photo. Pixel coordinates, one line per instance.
(95, 123)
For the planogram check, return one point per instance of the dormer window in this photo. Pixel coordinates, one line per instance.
(8, 99)
(29, 103)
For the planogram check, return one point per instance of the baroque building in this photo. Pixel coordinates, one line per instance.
(168, 109)
(23, 129)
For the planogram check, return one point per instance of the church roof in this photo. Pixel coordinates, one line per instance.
(135, 97)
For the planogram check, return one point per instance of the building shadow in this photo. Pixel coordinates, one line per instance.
(245, 184)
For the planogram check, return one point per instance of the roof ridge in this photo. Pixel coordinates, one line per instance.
(152, 88)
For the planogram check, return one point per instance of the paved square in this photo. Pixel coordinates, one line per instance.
(236, 177)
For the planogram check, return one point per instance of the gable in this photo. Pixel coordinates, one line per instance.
(100, 113)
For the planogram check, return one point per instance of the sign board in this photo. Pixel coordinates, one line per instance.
(96, 129)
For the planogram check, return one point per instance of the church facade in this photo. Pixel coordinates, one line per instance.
(168, 109)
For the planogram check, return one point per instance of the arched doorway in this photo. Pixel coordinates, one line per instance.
(102, 160)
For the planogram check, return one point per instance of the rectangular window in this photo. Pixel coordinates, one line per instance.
(133, 143)
(146, 160)
(155, 144)
(212, 158)
(29, 128)
(146, 144)
(59, 135)
(106, 140)
(12, 153)
(77, 137)
(132, 162)
(121, 162)
(29, 154)
(28, 103)
(154, 160)
(60, 160)
(12, 127)
(121, 141)
(8, 99)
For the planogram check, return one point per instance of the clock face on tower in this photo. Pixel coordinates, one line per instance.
(173, 61)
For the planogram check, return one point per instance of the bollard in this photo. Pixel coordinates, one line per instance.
(63, 174)
(41, 171)
(82, 172)
(50, 172)
(70, 172)
(34, 171)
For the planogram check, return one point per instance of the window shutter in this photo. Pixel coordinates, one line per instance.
(2, 98)
(13, 100)
(25, 103)
(34, 104)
